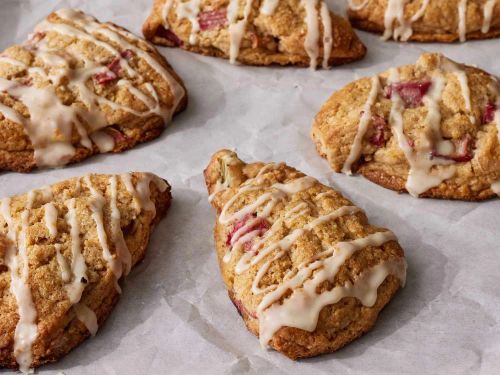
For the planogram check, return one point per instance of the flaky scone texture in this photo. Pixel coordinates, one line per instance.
(259, 34)
(436, 20)
(78, 87)
(307, 226)
(52, 244)
(430, 129)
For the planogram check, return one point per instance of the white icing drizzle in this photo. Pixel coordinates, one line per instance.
(87, 317)
(362, 126)
(301, 308)
(312, 36)
(63, 264)
(143, 192)
(327, 34)
(421, 177)
(269, 7)
(165, 10)
(488, 14)
(190, 10)
(237, 26)
(50, 216)
(462, 20)
(26, 330)
(122, 250)
(359, 6)
(126, 179)
(78, 266)
(395, 11)
(461, 75)
(50, 124)
(495, 186)
(97, 202)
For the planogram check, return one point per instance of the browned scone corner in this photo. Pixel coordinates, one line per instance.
(63, 249)
(256, 32)
(431, 129)
(427, 20)
(302, 265)
(78, 87)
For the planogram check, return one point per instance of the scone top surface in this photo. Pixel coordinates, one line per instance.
(63, 250)
(256, 32)
(431, 129)
(77, 87)
(302, 265)
(428, 20)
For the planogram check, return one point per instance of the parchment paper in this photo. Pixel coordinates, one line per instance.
(174, 316)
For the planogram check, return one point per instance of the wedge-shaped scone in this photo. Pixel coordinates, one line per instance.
(78, 87)
(262, 32)
(63, 250)
(306, 271)
(428, 20)
(432, 129)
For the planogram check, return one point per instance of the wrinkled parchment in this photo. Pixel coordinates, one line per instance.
(174, 316)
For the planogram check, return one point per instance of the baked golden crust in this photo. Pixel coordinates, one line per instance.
(338, 323)
(465, 116)
(58, 328)
(278, 38)
(105, 91)
(440, 22)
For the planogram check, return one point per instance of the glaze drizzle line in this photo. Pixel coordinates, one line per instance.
(292, 311)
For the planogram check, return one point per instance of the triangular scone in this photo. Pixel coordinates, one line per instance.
(68, 245)
(306, 271)
(256, 32)
(78, 87)
(427, 20)
(432, 129)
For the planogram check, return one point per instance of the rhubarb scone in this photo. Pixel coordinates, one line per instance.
(431, 129)
(302, 265)
(256, 32)
(78, 87)
(427, 20)
(63, 249)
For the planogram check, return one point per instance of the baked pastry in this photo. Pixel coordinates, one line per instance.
(78, 87)
(262, 32)
(427, 20)
(431, 129)
(80, 237)
(301, 264)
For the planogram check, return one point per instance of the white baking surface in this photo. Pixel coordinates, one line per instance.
(174, 316)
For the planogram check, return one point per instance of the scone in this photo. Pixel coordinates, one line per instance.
(63, 250)
(302, 265)
(427, 20)
(256, 32)
(431, 129)
(78, 87)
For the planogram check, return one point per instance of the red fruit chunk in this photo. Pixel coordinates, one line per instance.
(170, 36)
(380, 125)
(127, 54)
(212, 19)
(105, 78)
(36, 37)
(463, 151)
(489, 113)
(242, 309)
(411, 143)
(411, 92)
(117, 135)
(110, 76)
(260, 225)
